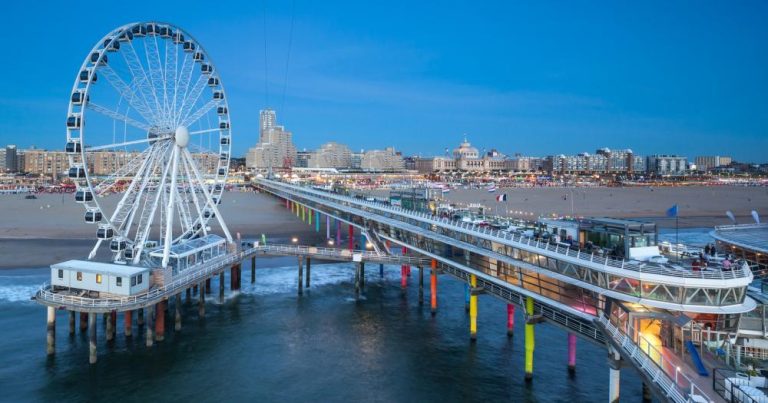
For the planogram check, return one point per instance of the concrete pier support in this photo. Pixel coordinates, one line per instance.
(72, 323)
(614, 374)
(189, 295)
(140, 317)
(253, 269)
(571, 353)
(160, 320)
(235, 278)
(177, 313)
(362, 275)
(150, 327)
(201, 302)
(221, 286)
(403, 278)
(109, 333)
(50, 339)
(308, 272)
(530, 343)
(351, 242)
(357, 281)
(83, 321)
(510, 320)
(301, 274)
(381, 270)
(433, 288)
(647, 397)
(208, 285)
(421, 285)
(466, 296)
(472, 309)
(128, 323)
(92, 338)
(112, 325)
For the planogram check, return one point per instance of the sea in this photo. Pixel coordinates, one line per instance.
(265, 343)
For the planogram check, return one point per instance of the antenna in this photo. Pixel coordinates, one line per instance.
(730, 215)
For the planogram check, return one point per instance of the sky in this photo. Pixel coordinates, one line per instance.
(535, 78)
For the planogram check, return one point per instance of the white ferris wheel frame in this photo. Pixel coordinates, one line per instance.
(165, 118)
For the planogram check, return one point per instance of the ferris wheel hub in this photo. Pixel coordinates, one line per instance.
(182, 136)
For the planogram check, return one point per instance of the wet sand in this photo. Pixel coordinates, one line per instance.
(36, 233)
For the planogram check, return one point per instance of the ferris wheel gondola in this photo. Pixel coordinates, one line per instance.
(149, 94)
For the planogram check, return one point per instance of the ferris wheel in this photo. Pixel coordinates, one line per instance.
(148, 120)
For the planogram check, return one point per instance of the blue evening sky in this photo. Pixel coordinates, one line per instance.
(535, 78)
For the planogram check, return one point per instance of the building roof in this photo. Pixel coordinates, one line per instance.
(192, 245)
(748, 236)
(100, 268)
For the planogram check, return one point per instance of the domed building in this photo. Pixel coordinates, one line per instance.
(464, 158)
(465, 150)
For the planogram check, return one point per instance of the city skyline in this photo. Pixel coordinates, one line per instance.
(584, 77)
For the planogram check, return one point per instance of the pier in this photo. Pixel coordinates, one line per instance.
(585, 295)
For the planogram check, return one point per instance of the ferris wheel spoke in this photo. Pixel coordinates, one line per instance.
(126, 143)
(184, 80)
(127, 203)
(169, 78)
(194, 116)
(171, 206)
(148, 214)
(140, 76)
(118, 116)
(205, 131)
(193, 193)
(178, 72)
(126, 92)
(155, 75)
(140, 199)
(209, 201)
(191, 99)
(125, 171)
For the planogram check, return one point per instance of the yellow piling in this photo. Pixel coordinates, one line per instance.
(529, 342)
(472, 309)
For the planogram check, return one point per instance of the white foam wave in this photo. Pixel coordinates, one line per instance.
(17, 293)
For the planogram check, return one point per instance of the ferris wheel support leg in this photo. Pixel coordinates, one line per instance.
(207, 195)
(171, 205)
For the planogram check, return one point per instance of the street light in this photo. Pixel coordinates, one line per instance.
(294, 240)
(677, 371)
(330, 242)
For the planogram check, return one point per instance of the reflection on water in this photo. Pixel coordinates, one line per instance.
(267, 344)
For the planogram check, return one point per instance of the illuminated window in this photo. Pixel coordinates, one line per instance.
(98, 279)
(79, 276)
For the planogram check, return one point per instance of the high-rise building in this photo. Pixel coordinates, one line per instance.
(275, 148)
(11, 161)
(267, 119)
(666, 164)
(706, 163)
(331, 155)
(382, 160)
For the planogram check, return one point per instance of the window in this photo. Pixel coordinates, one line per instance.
(139, 279)
(79, 276)
(98, 279)
(133, 281)
(119, 281)
(61, 273)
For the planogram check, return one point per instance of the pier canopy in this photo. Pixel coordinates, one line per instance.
(191, 253)
(745, 241)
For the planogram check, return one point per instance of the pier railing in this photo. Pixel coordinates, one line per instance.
(46, 295)
(337, 254)
(666, 375)
(524, 242)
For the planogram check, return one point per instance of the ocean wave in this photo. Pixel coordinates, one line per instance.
(18, 293)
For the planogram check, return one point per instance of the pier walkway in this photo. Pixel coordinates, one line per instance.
(577, 291)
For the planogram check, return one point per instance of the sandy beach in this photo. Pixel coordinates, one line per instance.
(698, 206)
(35, 233)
